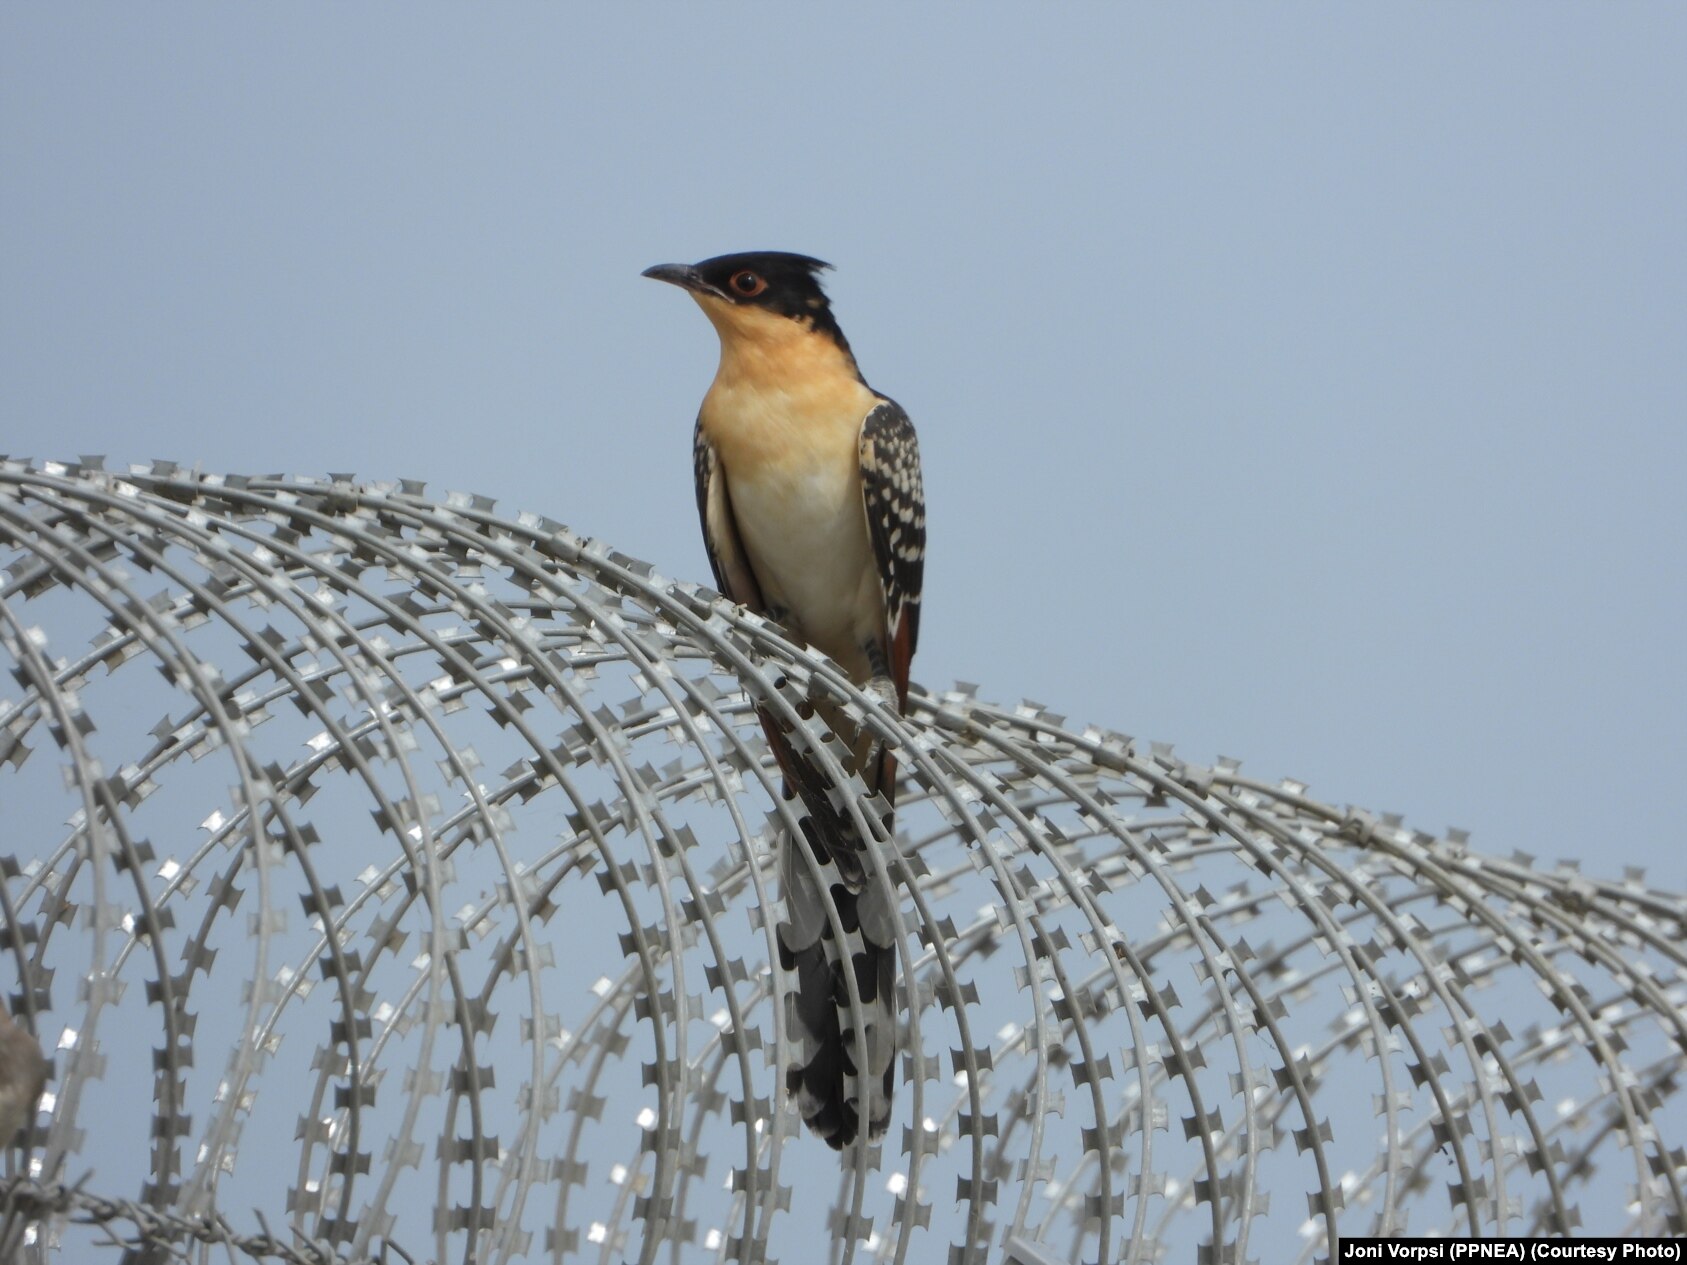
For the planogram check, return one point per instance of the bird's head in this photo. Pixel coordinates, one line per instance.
(757, 296)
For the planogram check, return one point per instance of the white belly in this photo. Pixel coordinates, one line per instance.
(805, 532)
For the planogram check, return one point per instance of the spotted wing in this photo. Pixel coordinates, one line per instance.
(896, 518)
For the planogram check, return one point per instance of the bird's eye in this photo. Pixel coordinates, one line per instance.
(747, 283)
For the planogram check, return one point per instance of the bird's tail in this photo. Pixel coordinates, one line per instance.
(842, 1071)
(843, 1068)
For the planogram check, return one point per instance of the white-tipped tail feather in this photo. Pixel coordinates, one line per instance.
(842, 1069)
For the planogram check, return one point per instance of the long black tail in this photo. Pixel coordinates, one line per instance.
(843, 1070)
(844, 1066)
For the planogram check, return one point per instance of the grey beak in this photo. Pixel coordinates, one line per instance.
(682, 275)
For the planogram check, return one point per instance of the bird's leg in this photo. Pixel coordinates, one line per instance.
(880, 688)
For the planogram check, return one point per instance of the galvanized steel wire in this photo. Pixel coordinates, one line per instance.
(389, 878)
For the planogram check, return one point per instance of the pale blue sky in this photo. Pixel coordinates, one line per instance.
(1302, 383)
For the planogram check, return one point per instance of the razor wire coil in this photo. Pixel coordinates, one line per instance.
(399, 872)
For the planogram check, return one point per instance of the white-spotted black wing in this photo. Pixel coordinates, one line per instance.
(896, 518)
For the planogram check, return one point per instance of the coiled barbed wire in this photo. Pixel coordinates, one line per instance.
(397, 871)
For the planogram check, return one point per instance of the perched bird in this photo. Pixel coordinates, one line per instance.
(808, 485)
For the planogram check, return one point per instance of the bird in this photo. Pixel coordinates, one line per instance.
(813, 512)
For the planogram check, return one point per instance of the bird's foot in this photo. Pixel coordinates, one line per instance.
(882, 690)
